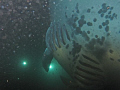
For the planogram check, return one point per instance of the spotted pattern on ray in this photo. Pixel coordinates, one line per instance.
(76, 48)
(79, 22)
(84, 41)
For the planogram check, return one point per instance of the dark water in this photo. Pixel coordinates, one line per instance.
(23, 24)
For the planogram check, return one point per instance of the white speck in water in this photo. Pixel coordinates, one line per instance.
(29, 35)
(2, 7)
(18, 46)
(29, 3)
(25, 7)
(53, 2)
(14, 51)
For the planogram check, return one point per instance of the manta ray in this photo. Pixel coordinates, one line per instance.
(85, 40)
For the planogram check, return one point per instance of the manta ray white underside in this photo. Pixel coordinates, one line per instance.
(84, 37)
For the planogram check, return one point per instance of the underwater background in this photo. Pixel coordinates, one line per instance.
(23, 27)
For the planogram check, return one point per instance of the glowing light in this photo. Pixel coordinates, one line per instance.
(50, 66)
(24, 63)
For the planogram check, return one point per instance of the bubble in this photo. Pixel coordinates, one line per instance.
(14, 51)
(53, 2)
(18, 46)
(2, 7)
(29, 35)
(25, 7)
(29, 3)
